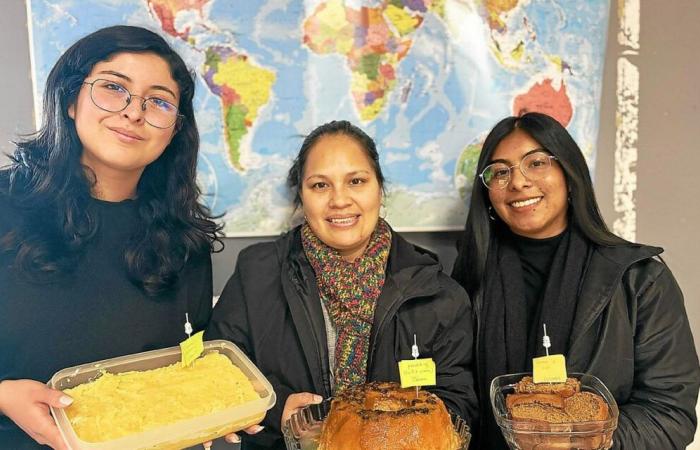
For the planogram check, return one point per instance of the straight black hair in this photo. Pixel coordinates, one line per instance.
(583, 208)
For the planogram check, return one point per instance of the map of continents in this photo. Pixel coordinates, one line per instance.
(426, 78)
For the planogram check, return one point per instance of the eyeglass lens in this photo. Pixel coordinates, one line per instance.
(113, 97)
(534, 166)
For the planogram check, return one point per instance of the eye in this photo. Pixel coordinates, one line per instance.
(538, 162)
(162, 104)
(357, 181)
(319, 185)
(108, 85)
(501, 172)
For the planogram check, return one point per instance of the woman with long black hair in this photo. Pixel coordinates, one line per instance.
(104, 244)
(536, 251)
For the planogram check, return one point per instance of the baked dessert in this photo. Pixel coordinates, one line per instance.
(555, 402)
(554, 411)
(382, 415)
(117, 405)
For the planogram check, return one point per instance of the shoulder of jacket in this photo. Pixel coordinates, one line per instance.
(258, 253)
(629, 255)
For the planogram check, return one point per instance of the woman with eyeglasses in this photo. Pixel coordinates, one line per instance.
(536, 251)
(104, 244)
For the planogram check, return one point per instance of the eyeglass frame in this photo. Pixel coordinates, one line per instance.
(178, 116)
(510, 168)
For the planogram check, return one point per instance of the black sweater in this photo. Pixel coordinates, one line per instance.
(92, 313)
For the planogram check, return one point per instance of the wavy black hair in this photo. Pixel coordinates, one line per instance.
(335, 127)
(583, 211)
(51, 187)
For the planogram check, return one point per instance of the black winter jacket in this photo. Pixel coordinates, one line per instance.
(271, 308)
(631, 331)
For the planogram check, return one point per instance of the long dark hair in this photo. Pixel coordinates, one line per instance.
(335, 127)
(583, 208)
(47, 182)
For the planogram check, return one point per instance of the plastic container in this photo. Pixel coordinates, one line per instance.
(303, 430)
(180, 434)
(522, 435)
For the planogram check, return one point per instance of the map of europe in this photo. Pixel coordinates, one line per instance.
(427, 79)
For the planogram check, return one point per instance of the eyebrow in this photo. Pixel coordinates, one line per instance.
(534, 150)
(125, 77)
(350, 174)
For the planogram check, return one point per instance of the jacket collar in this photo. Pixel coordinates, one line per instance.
(411, 272)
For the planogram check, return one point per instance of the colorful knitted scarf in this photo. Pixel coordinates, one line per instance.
(349, 291)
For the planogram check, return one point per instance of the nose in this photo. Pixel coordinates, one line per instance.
(340, 198)
(135, 110)
(518, 181)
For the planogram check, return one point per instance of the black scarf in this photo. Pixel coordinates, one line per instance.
(506, 345)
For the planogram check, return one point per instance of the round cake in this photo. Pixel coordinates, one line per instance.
(382, 415)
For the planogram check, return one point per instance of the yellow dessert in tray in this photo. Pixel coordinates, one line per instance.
(117, 405)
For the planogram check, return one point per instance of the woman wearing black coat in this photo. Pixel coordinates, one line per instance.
(337, 301)
(536, 251)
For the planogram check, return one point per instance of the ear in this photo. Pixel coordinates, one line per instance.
(71, 111)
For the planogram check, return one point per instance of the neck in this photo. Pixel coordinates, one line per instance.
(113, 186)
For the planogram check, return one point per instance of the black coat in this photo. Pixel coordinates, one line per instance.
(631, 331)
(271, 308)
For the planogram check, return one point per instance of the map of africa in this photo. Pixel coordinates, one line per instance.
(426, 78)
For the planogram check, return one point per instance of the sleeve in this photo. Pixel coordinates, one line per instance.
(661, 410)
(198, 285)
(454, 356)
(230, 321)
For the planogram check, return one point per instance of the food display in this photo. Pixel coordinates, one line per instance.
(383, 415)
(578, 414)
(555, 403)
(152, 398)
(149, 401)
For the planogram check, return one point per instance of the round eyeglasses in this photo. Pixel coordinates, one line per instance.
(113, 97)
(533, 166)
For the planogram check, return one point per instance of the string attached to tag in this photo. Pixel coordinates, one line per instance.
(549, 368)
(417, 372)
(546, 343)
(192, 347)
(415, 354)
(188, 325)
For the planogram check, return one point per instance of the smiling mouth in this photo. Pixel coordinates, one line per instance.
(125, 135)
(524, 203)
(343, 221)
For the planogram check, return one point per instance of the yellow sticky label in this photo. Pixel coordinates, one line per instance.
(549, 369)
(417, 372)
(192, 347)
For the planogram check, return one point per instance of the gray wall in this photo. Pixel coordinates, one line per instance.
(668, 166)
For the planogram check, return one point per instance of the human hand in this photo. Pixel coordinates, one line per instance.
(26, 403)
(295, 402)
(233, 438)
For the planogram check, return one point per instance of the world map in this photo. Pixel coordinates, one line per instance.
(427, 79)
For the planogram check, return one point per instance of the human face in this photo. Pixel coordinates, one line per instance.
(121, 144)
(532, 208)
(340, 194)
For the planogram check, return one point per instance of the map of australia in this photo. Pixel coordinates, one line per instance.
(427, 79)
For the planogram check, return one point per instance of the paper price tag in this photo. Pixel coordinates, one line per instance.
(417, 372)
(549, 369)
(192, 348)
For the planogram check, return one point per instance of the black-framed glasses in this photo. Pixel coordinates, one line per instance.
(113, 97)
(533, 166)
